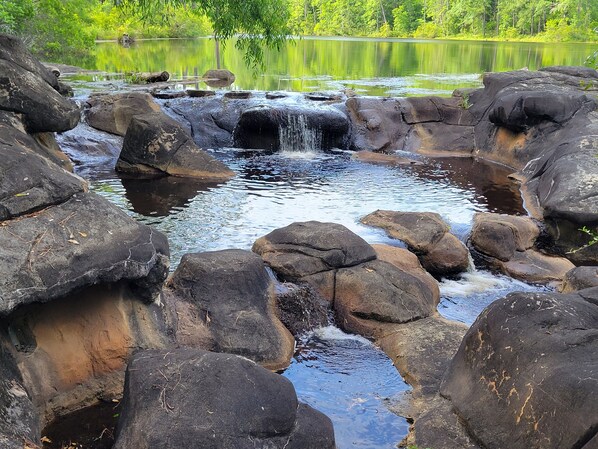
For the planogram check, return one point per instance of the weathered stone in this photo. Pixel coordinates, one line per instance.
(233, 296)
(28, 88)
(156, 144)
(263, 127)
(500, 236)
(19, 423)
(533, 266)
(190, 398)
(78, 243)
(377, 291)
(426, 234)
(406, 261)
(580, 278)
(29, 181)
(113, 112)
(524, 376)
(303, 249)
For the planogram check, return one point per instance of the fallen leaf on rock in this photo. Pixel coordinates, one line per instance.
(73, 241)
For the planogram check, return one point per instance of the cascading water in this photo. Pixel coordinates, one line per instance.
(298, 138)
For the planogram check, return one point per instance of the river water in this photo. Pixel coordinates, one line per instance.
(388, 67)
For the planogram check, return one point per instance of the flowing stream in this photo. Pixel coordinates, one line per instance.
(345, 376)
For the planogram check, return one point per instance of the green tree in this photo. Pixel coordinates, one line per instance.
(255, 23)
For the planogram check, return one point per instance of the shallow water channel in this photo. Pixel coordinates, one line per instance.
(344, 376)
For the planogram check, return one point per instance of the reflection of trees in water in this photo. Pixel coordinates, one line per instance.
(160, 197)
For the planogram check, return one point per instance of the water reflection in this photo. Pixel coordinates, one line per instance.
(160, 197)
(329, 372)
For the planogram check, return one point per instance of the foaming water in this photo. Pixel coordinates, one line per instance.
(354, 383)
(464, 298)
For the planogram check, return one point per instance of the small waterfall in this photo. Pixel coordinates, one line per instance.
(298, 137)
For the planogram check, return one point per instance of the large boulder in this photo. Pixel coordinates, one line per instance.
(378, 292)
(232, 295)
(19, 423)
(525, 374)
(291, 128)
(189, 398)
(113, 112)
(78, 243)
(28, 88)
(311, 251)
(427, 235)
(156, 144)
(28, 180)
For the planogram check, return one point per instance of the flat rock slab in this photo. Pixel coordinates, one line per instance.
(81, 242)
(533, 266)
(233, 296)
(525, 375)
(191, 399)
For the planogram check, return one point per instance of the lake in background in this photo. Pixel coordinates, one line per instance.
(385, 67)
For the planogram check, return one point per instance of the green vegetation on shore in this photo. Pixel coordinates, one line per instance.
(53, 28)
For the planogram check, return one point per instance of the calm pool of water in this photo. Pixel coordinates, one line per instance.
(387, 67)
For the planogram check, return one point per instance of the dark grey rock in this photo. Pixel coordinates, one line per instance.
(233, 296)
(156, 144)
(193, 399)
(307, 248)
(19, 423)
(81, 242)
(301, 308)
(29, 181)
(28, 88)
(580, 278)
(525, 374)
(263, 127)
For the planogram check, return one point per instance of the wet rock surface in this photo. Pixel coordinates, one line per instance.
(195, 399)
(155, 144)
(427, 235)
(301, 308)
(232, 296)
(524, 376)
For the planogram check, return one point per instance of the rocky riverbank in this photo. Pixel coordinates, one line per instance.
(89, 312)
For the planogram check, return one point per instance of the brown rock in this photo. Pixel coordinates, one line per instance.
(113, 113)
(579, 278)
(532, 266)
(448, 256)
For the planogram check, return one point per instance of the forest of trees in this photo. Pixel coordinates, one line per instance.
(53, 27)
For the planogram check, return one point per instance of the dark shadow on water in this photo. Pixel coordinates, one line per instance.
(161, 197)
(489, 181)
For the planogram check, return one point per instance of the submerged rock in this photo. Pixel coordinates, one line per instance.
(156, 144)
(190, 398)
(232, 296)
(427, 235)
(525, 375)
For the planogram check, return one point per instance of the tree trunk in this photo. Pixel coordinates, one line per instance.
(217, 53)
